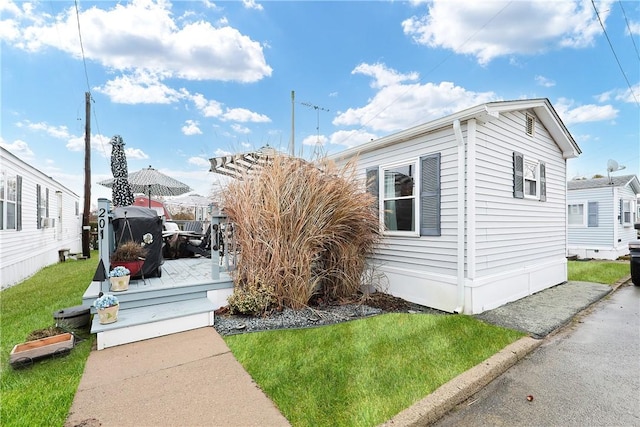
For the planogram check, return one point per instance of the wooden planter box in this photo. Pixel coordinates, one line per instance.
(25, 353)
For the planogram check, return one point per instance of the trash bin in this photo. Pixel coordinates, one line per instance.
(634, 252)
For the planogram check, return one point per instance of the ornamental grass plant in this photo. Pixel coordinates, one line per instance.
(304, 231)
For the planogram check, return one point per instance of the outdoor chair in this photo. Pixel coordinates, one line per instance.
(200, 246)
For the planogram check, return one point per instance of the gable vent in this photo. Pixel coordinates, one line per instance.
(530, 124)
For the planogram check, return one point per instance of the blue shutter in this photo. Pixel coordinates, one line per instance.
(543, 182)
(430, 195)
(18, 203)
(518, 175)
(38, 206)
(373, 187)
(621, 211)
(592, 214)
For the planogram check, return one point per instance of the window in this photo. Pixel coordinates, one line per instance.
(42, 204)
(626, 213)
(529, 178)
(10, 198)
(399, 197)
(530, 124)
(408, 196)
(575, 215)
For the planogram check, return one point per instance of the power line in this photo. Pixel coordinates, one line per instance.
(614, 53)
(84, 61)
(86, 75)
(445, 59)
(629, 29)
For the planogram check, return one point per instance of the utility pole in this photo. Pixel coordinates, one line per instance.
(292, 146)
(86, 227)
(318, 109)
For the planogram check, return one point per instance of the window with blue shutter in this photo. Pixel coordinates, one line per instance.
(411, 204)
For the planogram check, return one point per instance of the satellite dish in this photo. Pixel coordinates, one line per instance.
(613, 166)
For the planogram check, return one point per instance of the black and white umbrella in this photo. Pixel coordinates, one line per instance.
(120, 188)
(150, 181)
(238, 165)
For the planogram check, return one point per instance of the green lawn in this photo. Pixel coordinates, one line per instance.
(362, 373)
(42, 394)
(607, 272)
(356, 373)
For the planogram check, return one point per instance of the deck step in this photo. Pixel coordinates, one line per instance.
(141, 323)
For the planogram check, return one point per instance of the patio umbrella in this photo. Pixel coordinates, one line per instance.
(237, 165)
(151, 182)
(120, 189)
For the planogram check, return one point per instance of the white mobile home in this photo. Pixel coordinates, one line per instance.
(38, 217)
(601, 213)
(472, 205)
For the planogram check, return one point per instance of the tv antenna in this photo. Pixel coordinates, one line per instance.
(613, 166)
(318, 109)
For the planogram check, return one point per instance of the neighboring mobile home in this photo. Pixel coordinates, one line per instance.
(601, 213)
(38, 217)
(472, 205)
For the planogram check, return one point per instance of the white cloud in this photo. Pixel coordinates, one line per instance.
(544, 82)
(313, 140)
(251, 4)
(135, 153)
(220, 152)
(139, 88)
(199, 161)
(143, 35)
(99, 144)
(208, 108)
(490, 29)
(583, 113)
(243, 115)
(399, 106)
(18, 148)
(240, 129)
(191, 128)
(60, 132)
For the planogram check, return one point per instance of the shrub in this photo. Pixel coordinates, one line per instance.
(304, 230)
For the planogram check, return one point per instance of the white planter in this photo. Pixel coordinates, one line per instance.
(119, 284)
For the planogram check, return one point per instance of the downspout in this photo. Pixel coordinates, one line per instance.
(461, 172)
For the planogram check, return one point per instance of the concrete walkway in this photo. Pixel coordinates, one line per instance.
(192, 379)
(185, 379)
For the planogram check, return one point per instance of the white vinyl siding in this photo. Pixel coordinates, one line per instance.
(517, 231)
(27, 249)
(429, 253)
(599, 236)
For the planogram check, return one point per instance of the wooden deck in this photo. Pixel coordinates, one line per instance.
(184, 297)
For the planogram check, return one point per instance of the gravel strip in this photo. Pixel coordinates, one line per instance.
(292, 319)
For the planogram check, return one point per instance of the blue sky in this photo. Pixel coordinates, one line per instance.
(185, 81)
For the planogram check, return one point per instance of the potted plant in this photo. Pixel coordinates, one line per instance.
(107, 306)
(119, 278)
(130, 255)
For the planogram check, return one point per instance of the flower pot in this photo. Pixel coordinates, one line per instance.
(108, 315)
(119, 284)
(133, 266)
